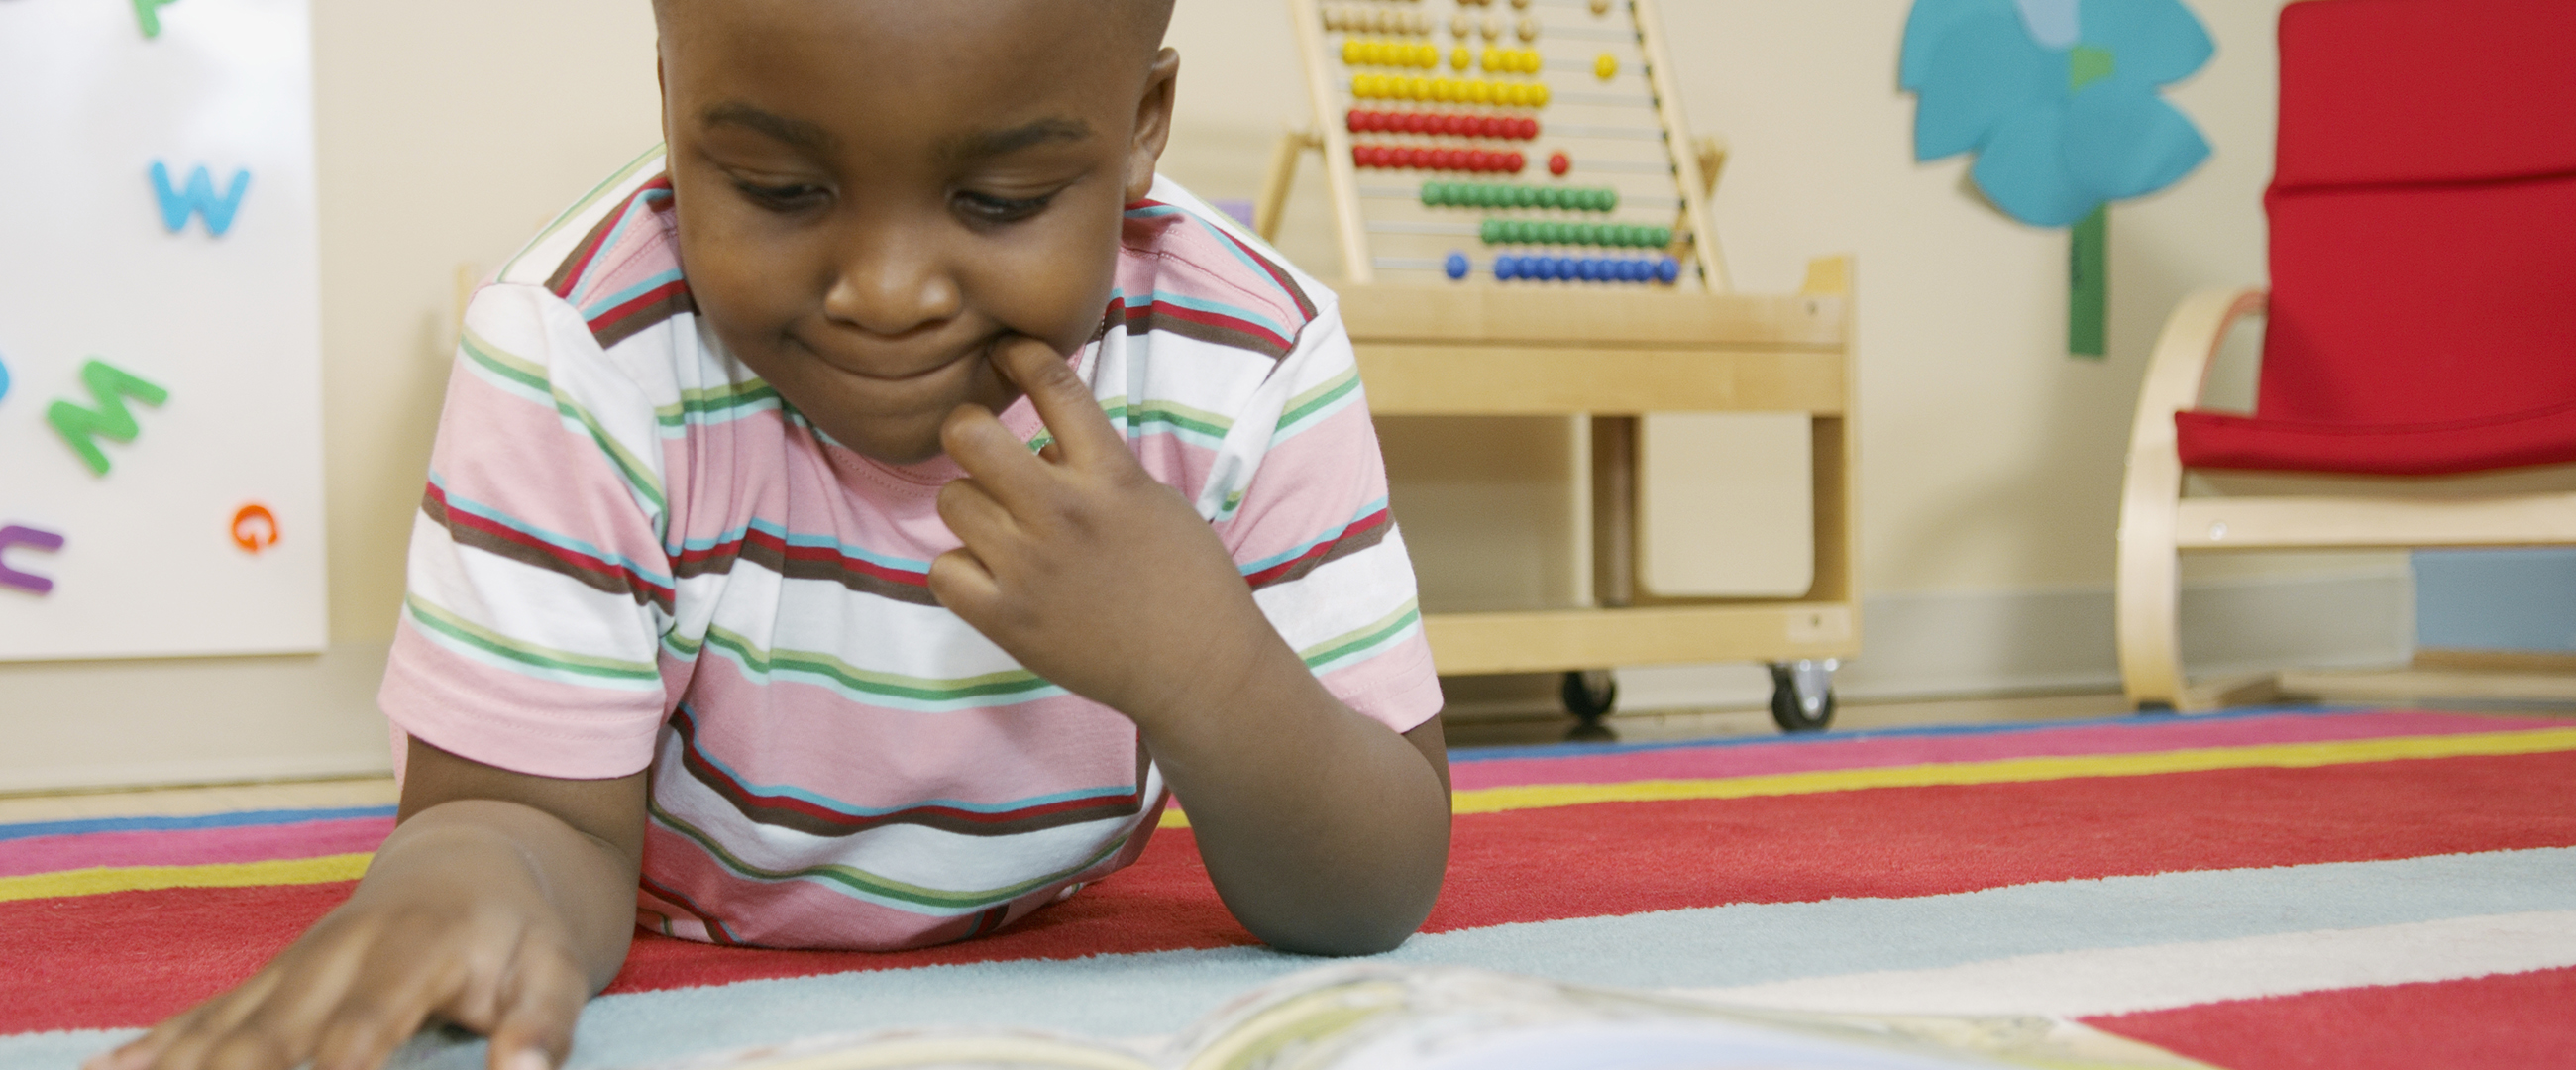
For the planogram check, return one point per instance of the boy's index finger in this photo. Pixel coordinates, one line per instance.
(1064, 402)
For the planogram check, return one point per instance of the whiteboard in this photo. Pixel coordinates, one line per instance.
(204, 535)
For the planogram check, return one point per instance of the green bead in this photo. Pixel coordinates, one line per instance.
(1516, 230)
(1490, 195)
(1663, 236)
(1609, 200)
(1490, 232)
(1623, 236)
(1430, 194)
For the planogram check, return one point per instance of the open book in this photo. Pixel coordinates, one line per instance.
(1377, 1017)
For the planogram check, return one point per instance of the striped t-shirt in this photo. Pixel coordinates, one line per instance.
(632, 554)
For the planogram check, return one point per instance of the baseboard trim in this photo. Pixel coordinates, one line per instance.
(171, 721)
(1998, 643)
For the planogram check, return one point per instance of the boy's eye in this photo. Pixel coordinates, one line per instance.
(781, 198)
(989, 209)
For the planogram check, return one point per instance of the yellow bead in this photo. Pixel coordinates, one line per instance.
(1427, 54)
(1459, 58)
(1350, 51)
(1490, 57)
(1538, 96)
(1607, 67)
(1525, 60)
(1417, 89)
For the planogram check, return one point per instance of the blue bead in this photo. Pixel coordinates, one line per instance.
(1635, 271)
(1505, 267)
(1668, 269)
(1456, 266)
(1560, 268)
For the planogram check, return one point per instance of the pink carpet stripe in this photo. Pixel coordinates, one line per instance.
(2122, 737)
(193, 847)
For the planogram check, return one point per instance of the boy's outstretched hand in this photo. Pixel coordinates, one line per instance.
(499, 904)
(1324, 832)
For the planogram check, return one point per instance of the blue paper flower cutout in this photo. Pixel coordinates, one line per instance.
(2058, 98)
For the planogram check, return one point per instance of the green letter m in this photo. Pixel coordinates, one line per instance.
(110, 386)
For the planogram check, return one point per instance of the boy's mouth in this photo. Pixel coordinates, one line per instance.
(898, 364)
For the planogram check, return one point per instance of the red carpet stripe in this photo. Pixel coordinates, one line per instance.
(2507, 1020)
(168, 948)
(192, 847)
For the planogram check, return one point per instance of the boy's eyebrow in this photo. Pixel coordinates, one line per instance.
(796, 132)
(1002, 142)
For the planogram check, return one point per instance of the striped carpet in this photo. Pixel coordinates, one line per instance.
(2278, 888)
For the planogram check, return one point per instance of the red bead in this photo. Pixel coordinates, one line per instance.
(1353, 123)
(1514, 162)
(1410, 122)
(1360, 155)
(1529, 129)
(1558, 163)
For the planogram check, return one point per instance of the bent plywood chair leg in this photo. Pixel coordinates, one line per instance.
(2148, 592)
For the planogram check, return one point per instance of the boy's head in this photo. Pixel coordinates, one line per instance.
(871, 193)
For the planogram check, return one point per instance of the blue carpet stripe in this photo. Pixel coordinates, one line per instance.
(231, 819)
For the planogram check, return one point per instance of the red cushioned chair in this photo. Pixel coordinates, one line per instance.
(2421, 318)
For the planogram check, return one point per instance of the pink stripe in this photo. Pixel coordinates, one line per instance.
(2141, 736)
(874, 757)
(193, 847)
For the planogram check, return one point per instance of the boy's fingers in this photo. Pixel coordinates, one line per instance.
(970, 511)
(1063, 400)
(988, 451)
(543, 1002)
(959, 580)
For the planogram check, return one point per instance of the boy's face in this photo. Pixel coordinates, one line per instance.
(871, 193)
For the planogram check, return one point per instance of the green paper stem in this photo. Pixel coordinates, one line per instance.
(2088, 277)
(148, 13)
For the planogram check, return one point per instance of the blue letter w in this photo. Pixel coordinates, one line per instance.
(110, 386)
(177, 205)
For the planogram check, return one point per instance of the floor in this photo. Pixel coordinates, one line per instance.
(1479, 732)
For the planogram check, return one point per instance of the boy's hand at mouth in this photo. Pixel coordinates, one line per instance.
(1324, 832)
(1086, 569)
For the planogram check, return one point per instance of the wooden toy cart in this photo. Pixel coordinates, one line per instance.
(1610, 306)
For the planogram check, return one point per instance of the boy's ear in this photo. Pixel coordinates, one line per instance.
(1153, 123)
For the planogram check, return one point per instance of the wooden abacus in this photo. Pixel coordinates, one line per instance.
(1524, 227)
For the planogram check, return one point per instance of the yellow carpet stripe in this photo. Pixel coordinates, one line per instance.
(2008, 771)
(104, 879)
(2018, 770)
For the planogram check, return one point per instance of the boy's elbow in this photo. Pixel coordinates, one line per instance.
(1342, 942)
(1352, 929)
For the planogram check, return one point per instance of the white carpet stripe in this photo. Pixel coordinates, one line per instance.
(2122, 979)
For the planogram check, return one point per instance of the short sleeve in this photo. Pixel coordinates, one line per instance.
(1313, 536)
(538, 587)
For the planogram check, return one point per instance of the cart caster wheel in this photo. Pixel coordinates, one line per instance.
(1802, 694)
(1588, 695)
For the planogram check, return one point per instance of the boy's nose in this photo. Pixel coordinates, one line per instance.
(892, 283)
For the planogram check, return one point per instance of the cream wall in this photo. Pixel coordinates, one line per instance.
(1990, 460)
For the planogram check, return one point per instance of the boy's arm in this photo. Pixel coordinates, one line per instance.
(499, 903)
(1324, 831)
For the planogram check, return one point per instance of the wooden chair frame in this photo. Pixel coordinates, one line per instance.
(2157, 524)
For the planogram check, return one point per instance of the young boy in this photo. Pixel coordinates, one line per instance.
(742, 608)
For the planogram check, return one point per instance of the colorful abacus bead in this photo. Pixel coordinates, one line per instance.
(1545, 268)
(1455, 266)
